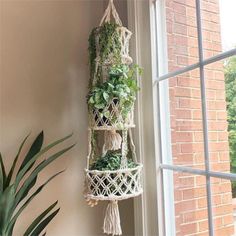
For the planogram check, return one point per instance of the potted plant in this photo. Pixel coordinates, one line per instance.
(16, 186)
(111, 103)
(108, 168)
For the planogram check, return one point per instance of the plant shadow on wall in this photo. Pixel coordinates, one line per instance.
(14, 191)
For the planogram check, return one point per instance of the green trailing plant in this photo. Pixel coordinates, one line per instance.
(109, 46)
(16, 186)
(110, 161)
(121, 87)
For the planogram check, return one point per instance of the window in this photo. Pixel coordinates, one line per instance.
(192, 52)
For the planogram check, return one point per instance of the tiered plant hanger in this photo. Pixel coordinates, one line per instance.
(110, 123)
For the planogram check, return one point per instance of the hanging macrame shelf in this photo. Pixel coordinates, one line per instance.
(124, 183)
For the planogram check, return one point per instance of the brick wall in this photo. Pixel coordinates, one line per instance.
(186, 119)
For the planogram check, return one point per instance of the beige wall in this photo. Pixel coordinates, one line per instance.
(43, 84)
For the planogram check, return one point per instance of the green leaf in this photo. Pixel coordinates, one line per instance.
(38, 219)
(26, 190)
(6, 205)
(44, 223)
(9, 177)
(33, 159)
(91, 100)
(105, 96)
(2, 175)
(99, 106)
(39, 189)
(39, 168)
(34, 149)
(107, 114)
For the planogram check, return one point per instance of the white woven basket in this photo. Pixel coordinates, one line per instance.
(116, 120)
(124, 38)
(113, 185)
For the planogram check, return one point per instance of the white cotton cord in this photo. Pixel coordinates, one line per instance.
(124, 150)
(112, 140)
(112, 219)
(107, 14)
(89, 146)
(115, 14)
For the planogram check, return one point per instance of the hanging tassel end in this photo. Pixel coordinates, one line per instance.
(112, 219)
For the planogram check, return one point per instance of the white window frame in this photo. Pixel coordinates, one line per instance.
(148, 49)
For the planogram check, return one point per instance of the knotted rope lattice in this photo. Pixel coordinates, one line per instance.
(119, 184)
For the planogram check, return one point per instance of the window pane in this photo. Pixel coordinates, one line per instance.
(219, 32)
(221, 82)
(185, 118)
(182, 42)
(190, 204)
(223, 207)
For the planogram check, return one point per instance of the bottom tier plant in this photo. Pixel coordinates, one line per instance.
(105, 180)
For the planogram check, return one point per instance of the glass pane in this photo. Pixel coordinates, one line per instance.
(190, 204)
(221, 111)
(185, 120)
(219, 32)
(223, 207)
(182, 42)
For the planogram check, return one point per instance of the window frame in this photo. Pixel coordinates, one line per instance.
(151, 15)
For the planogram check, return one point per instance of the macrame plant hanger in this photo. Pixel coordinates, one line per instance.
(124, 183)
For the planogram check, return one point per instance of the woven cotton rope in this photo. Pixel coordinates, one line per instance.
(110, 174)
(110, 185)
(115, 120)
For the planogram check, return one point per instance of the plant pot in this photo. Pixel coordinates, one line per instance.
(116, 120)
(113, 185)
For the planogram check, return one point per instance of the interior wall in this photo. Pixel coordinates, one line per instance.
(43, 85)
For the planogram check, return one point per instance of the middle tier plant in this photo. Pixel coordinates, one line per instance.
(111, 103)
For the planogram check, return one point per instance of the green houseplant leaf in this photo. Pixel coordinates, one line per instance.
(44, 223)
(6, 204)
(34, 149)
(39, 219)
(2, 175)
(8, 180)
(13, 193)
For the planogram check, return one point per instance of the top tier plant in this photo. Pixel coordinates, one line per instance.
(113, 84)
(108, 45)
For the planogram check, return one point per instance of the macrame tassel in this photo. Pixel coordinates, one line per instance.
(112, 140)
(112, 219)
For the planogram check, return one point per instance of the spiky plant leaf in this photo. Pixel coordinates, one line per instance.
(22, 172)
(39, 219)
(6, 205)
(44, 223)
(34, 149)
(9, 176)
(39, 189)
(2, 175)
(36, 171)
(11, 195)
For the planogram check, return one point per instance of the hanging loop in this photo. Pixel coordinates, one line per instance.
(111, 11)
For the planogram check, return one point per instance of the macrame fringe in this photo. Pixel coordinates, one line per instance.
(112, 219)
(112, 140)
